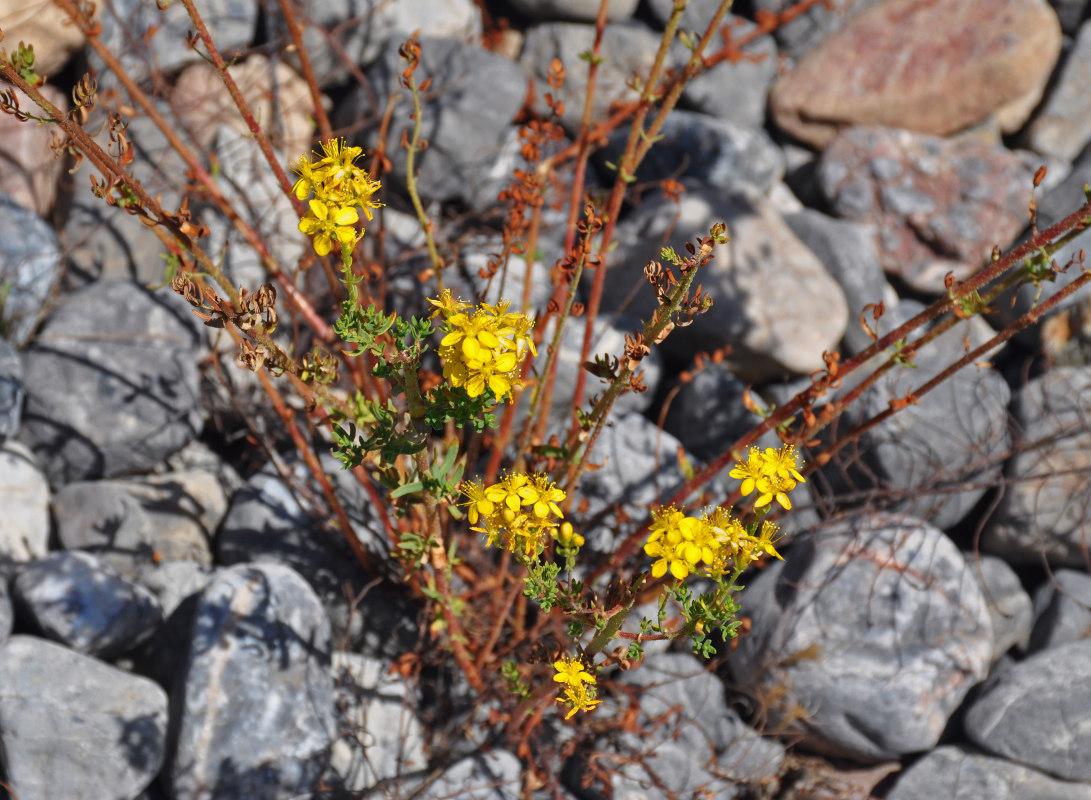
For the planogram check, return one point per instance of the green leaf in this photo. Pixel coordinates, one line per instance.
(407, 488)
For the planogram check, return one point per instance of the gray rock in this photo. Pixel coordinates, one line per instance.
(266, 523)
(764, 283)
(733, 91)
(847, 250)
(1039, 712)
(1062, 610)
(466, 128)
(811, 28)
(260, 639)
(1010, 607)
(935, 459)
(1062, 126)
(707, 415)
(149, 40)
(11, 391)
(875, 628)
(639, 468)
(1043, 510)
(76, 599)
(608, 338)
(255, 194)
(339, 33)
(627, 48)
(30, 264)
(717, 152)
(492, 775)
(7, 613)
(680, 686)
(133, 523)
(172, 582)
(439, 19)
(956, 774)
(383, 739)
(24, 496)
(74, 727)
(132, 354)
(103, 241)
(578, 10)
(1054, 205)
(939, 205)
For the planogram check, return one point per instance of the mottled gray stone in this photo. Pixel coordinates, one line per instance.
(1062, 610)
(764, 283)
(466, 127)
(875, 627)
(133, 356)
(639, 467)
(80, 601)
(132, 523)
(1010, 607)
(24, 496)
(73, 727)
(934, 459)
(578, 10)
(1044, 510)
(627, 48)
(261, 641)
(266, 523)
(847, 250)
(492, 775)
(717, 152)
(952, 773)
(11, 390)
(942, 208)
(30, 264)
(1039, 712)
(382, 738)
(148, 39)
(1062, 126)
(730, 90)
(707, 415)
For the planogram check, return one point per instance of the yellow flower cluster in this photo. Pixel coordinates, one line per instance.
(482, 347)
(579, 686)
(714, 543)
(339, 188)
(773, 473)
(520, 511)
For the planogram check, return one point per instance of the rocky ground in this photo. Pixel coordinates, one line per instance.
(178, 624)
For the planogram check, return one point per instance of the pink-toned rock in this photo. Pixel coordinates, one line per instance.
(203, 103)
(933, 66)
(29, 170)
(42, 24)
(939, 205)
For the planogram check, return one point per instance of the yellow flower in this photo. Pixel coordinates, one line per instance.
(519, 511)
(578, 698)
(326, 223)
(773, 473)
(339, 188)
(767, 539)
(572, 672)
(681, 544)
(482, 348)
